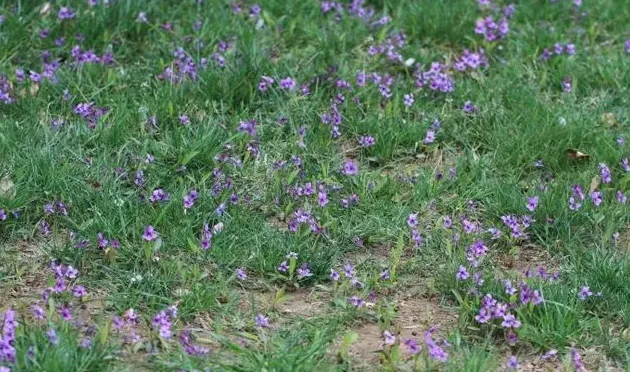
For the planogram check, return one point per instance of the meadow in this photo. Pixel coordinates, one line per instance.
(365, 185)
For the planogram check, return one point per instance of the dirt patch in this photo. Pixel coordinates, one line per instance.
(414, 316)
(529, 257)
(305, 302)
(24, 264)
(406, 169)
(592, 358)
(369, 253)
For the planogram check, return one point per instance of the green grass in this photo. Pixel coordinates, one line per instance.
(523, 116)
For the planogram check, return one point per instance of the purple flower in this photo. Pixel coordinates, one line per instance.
(411, 346)
(597, 198)
(584, 293)
(366, 141)
(303, 271)
(412, 220)
(511, 337)
(384, 275)
(350, 168)
(334, 275)
(38, 312)
(348, 270)
(389, 338)
(408, 99)
(532, 203)
(625, 164)
(142, 17)
(512, 363)
(462, 273)
(469, 108)
(567, 84)
(241, 274)
(576, 358)
(573, 205)
(510, 321)
(52, 336)
(184, 119)
(621, 197)
(605, 173)
(66, 13)
(436, 351)
(284, 266)
(149, 233)
(287, 83)
(65, 313)
(79, 291)
(356, 301)
(429, 137)
(262, 321)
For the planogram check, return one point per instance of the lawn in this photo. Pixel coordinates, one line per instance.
(378, 185)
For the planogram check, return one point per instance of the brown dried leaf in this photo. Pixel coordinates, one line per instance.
(34, 89)
(594, 184)
(45, 9)
(577, 154)
(7, 188)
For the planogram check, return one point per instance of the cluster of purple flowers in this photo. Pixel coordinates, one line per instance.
(162, 322)
(435, 349)
(558, 50)
(6, 90)
(542, 273)
(350, 274)
(159, 196)
(390, 48)
(416, 237)
(577, 197)
(66, 13)
(490, 29)
(191, 349)
(7, 339)
(88, 56)
(127, 325)
(517, 225)
(470, 61)
(437, 78)
(356, 9)
(190, 198)
(367, 141)
(103, 243)
(206, 237)
(476, 252)
(182, 68)
(56, 206)
(492, 309)
(90, 113)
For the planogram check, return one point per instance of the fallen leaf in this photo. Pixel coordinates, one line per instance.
(34, 89)
(594, 184)
(45, 9)
(7, 188)
(576, 154)
(94, 183)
